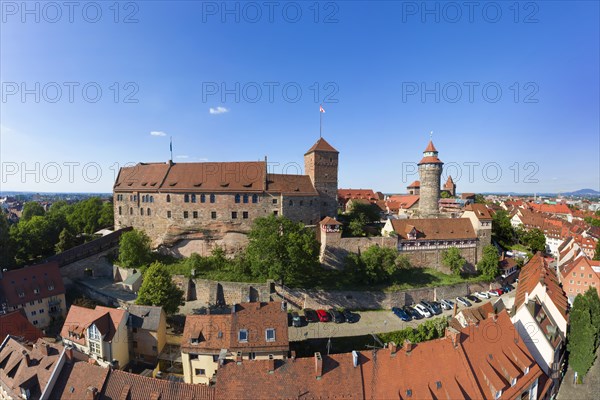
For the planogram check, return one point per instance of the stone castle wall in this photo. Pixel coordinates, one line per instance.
(433, 258)
(221, 292)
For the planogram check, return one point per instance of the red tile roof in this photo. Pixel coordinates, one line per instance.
(367, 194)
(77, 379)
(322, 145)
(27, 367)
(215, 332)
(430, 147)
(404, 201)
(329, 221)
(481, 211)
(430, 160)
(435, 228)
(16, 324)
(20, 285)
(106, 319)
(291, 379)
(298, 185)
(124, 385)
(415, 184)
(551, 208)
(534, 272)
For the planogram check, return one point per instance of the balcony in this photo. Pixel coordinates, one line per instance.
(55, 311)
(54, 302)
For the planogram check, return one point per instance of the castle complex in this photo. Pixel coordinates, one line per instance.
(209, 201)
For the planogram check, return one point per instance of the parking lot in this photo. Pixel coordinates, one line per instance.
(375, 322)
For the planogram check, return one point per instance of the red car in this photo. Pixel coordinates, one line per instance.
(497, 292)
(323, 315)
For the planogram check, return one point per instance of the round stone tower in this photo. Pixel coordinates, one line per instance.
(430, 172)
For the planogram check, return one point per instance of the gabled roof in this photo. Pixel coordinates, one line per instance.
(404, 201)
(291, 379)
(79, 319)
(435, 228)
(79, 379)
(124, 385)
(415, 184)
(449, 181)
(145, 317)
(322, 145)
(16, 324)
(367, 194)
(537, 272)
(329, 221)
(299, 185)
(44, 279)
(480, 210)
(27, 367)
(211, 333)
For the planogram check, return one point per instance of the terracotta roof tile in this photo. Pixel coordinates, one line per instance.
(436, 228)
(430, 147)
(43, 278)
(322, 145)
(16, 324)
(329, 221)
(211, 333)
(415, 184)
(144, 388)
(78, 319)
(430, 160)
(299, 185)
(76, 379)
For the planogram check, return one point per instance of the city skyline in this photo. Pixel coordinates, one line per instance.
(515, 94)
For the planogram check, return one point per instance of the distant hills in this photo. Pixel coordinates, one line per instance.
(577, 193)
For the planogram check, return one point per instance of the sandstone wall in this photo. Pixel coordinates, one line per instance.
(217, 292)
(98, 263)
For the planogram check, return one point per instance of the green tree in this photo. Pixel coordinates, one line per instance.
(502, 229)
(452, 259)
(534, 239)
(107, 216)
(66, 240)
(35, 238)
(134, 249)
(90, 215)
(488, 265)
(32, 209)
(403, 262)
(593, 302)
(445, 195)
(354, 269)
(597, 251)
(7, 254)
(357, 225)
(281, 249)
(360, 215)
(379, 263)
(479, 199)
(582, 336)
(158, 289)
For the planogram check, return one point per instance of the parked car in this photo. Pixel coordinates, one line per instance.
(508, 288)
(423, 310)
(495, 292)
(351, 317)
(426, 304)
(463, 301)
(323, 316)
(336, 316)
(447, 304)
(482, 295)
(400, 313)
(311, 315)
(412, 312)
(437, 307)
(473, 299)
(296, 320)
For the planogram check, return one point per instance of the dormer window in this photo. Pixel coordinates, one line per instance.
(21, 294)
(243, 335)
(270, 334)
(498, 394)
(513, 382)
(526, 371)
(36, 291)
(94, 333)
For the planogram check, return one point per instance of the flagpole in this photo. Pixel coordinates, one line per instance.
(171, 147)
(320, 124)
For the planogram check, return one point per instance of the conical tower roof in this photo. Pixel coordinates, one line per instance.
(322, 145)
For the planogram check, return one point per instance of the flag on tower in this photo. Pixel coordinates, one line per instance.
(321, 109)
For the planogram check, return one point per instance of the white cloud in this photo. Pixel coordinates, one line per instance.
(182, 156)
(218, 110)
(158, 133)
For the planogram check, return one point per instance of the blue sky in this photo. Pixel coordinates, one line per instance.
(506, 90)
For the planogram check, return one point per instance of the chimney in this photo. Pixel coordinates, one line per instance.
(455, 309)
(354, 358)
(27, 358)
(393, 348)
(238, 357)
(69, 353)
(408, 346)
(318, 365)
(271, 365)
(453, 335)
(293, 354)
(91, 393)
(43, 349)
(526, 298)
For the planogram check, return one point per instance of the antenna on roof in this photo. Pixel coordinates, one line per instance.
(430, 135)
(171, 147)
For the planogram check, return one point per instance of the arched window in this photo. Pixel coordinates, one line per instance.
(151, 199)
(202, 198)
(291, 202)
(148, 212)
(193, 198)
(245, 198)
(141, 211)
(120, 210)
(168, 198)
(255, 198)
(130, 210)
(237, 198)
(186, 198)
(212, 198)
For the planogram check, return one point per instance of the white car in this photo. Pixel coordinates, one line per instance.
(482, 295)
(421, 309)
(447, 304)
(493, 293)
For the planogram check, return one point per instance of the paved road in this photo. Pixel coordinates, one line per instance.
(589, 389)
(372, 322)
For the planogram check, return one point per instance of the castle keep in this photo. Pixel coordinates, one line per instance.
(209, 201)
(430, 172)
